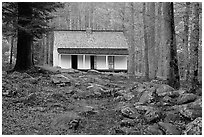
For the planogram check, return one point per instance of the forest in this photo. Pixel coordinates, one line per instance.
(160, 94)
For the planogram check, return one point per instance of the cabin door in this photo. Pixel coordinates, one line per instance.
(74, 61)
(92, 62)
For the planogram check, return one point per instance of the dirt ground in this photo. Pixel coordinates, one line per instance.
(39, 102)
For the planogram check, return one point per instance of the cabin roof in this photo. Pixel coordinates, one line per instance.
(86, 40)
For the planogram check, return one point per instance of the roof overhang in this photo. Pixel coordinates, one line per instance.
(98, 51)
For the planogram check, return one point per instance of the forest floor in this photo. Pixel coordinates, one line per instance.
(41, 102)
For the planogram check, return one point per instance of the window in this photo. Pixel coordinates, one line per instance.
(111, 62)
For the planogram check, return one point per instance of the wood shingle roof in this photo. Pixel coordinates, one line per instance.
(97, 40)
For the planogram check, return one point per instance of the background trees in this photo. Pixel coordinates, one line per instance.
(30, 19)
(143, 25)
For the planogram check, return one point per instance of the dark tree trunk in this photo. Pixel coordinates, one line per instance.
(194, 47)
(24, 44)
(173, 78)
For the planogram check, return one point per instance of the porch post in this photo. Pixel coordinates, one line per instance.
(107, 61)
(59, 59)
(84, 60)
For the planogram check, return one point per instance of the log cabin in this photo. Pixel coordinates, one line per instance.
(90, 49)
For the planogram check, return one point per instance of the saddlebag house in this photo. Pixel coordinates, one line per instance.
(83, 50)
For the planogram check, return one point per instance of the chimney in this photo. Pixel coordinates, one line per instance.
(89, 30)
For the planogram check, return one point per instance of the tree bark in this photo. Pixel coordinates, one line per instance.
(146, 43)
(194, 44)
(24, 55)
(11, 51)
(158, 21)
(186, 40)
(151, 39)
(173, 78)
(131, 57)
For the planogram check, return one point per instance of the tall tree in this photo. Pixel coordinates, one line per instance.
(151, 39)
(32, 22)
(24, 56)
(186, 39)
(194, 44)
(131, 40)
(173, 78)
(145, 43)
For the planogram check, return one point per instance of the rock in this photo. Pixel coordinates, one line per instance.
(194, 127)
(123, 130)
(154, 130)
(169, 128)
(147, 97)
(88, 110)
(164, 90)
(140, 107)
(92, 71)
(127, 123)
(124, 95)
(4, 73)
(176, 93)
(129, 113)
(60, 79)
(58, 97)
(128, 96)
(171, 117)
(96, 88)
(186, 98)
(197, 104)
(68, 120)
(191, 113)
(152, 115)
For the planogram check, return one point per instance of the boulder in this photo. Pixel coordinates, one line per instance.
(88, 110)
(68, 120)
(169, 128)
(92, 71)
(140, 107)
(60, 79)
(194, 127)
(129, 113)
(176, 93)
(186, 98)
(147, 97)
(128, 96)
(152, 115)
(171, 117)
(191, 113)
(197, 104)
(154, 130)
(127, 122)
(164, 90)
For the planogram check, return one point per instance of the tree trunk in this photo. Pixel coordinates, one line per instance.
(151, 39)
(185, 41)
(25, 39)
(158, 21)
(173, 78)
(131, 57)
(49, 48)
(11, 50)
(194, 44)
(146, 43)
